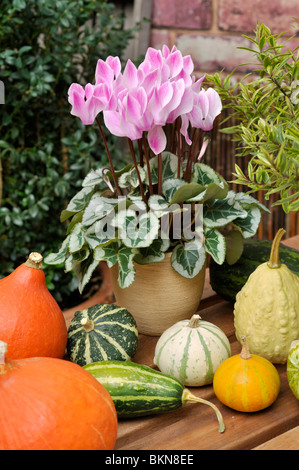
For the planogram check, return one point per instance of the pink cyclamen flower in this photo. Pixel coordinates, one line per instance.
(89, 102)
(107, 71)
(146, 98)
(124, 121)
(82, 102)
(206, 108)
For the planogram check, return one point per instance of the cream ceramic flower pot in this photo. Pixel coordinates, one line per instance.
(159, 296)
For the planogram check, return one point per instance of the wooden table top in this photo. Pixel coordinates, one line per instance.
(195, 426)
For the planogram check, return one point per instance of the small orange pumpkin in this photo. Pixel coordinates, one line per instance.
(53, 404)
(31, 321)
(246, 382)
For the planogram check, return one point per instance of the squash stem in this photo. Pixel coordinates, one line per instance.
(188, 397)
(194, 321)
(35, 261)
(3, 350)
(274, 255)
(87, 324)
(245, 353)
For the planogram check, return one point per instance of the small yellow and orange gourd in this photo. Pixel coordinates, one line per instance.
(246, 382)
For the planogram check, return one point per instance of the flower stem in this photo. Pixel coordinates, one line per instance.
(179, 148)
(146, 155)
(132, 151)
(140, 150)
(192, 154)
(160, 174)
(109, 158)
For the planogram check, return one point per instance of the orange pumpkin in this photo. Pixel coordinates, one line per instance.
(52, 404)
(246, 382)
(31, 321)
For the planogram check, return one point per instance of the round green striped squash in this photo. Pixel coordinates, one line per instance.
(191, 351)
(100, 333)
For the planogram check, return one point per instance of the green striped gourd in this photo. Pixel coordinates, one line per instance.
(191, 351)
(102, 332)
(138, 390)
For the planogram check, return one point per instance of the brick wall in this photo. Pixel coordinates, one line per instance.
(211, 30)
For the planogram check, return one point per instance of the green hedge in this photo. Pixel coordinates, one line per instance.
(45, 45)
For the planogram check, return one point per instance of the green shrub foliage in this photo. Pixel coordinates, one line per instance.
(265, 107)
(45, 153)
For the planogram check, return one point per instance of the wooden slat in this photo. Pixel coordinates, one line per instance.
(287, 441)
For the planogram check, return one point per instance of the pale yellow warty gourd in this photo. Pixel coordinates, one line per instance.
(266, 310)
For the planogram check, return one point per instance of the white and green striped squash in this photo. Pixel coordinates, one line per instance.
(100, 333)
(191, 351)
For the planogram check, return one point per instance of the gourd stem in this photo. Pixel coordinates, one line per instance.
(35, 261)
(87, 324)
(245, 353)
(194, 321)
(274, 255)
(188, 397)
(3, 349)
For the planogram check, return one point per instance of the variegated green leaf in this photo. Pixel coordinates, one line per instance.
(215, 245)
(126, 269)
(247, 201)
(158, 205)
(249, 224)
(69, 263)
(84, 271)
(107, 252)
(77, 203)
(137, 230)
(76, 238)
(188, 259)
(136, 195)
(98, 208)
(100, 232)
(153, 253)
(59, 257)
(169, 167)
(170, 186)
(203, 174)
(93, 178)
(76, 258)
(130, 178)
(220, 212)
(81, 255)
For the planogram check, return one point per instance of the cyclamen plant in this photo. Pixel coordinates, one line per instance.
(166, 199)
